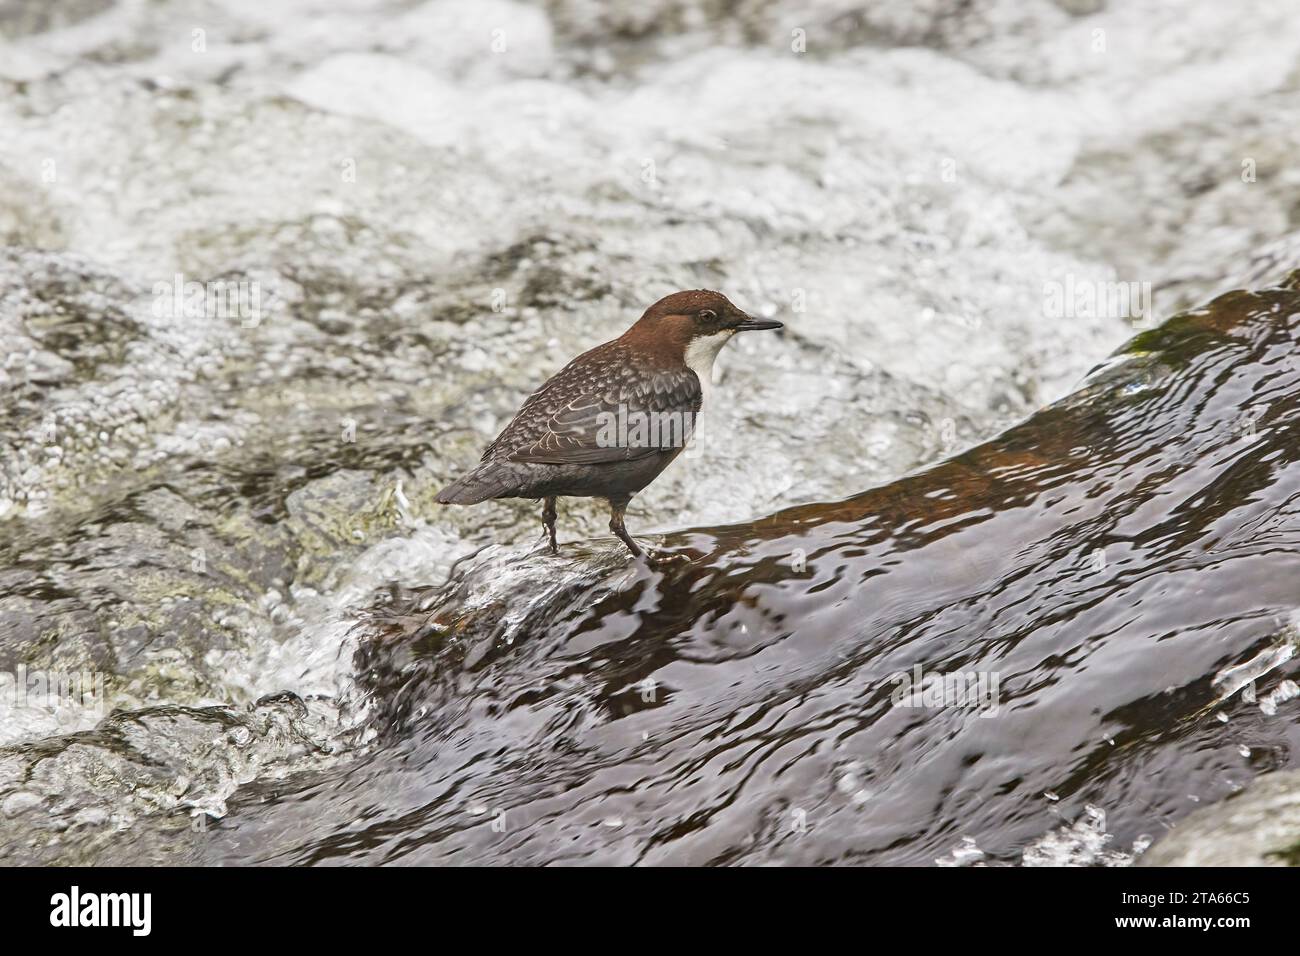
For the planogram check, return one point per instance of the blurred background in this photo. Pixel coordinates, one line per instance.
(273, 273)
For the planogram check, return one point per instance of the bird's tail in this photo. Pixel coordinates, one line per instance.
(479, 485)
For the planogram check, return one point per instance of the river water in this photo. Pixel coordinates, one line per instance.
(213, 511)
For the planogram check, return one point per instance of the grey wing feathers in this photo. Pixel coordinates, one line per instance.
(589, 412)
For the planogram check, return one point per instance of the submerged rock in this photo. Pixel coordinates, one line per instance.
(1027, 635)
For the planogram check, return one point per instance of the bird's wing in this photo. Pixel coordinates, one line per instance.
(602, 407)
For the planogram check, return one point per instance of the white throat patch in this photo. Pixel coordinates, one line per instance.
(700, 353)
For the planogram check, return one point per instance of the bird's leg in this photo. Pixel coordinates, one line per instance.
(616, 509)
(548, 520)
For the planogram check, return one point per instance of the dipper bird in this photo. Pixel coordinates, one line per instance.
(608, 422)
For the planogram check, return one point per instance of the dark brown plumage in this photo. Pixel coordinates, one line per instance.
(566, 439)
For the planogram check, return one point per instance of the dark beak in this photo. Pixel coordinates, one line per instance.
(757, 325)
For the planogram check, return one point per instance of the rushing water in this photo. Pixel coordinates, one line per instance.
(225, 514)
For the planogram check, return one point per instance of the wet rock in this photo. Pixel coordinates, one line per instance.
(335, 515)
(71, 799)
(1258, 827)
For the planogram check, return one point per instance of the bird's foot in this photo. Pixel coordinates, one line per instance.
(546, 546)
(665, 559)
(548, 523)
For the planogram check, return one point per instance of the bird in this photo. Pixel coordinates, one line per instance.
(611, 420)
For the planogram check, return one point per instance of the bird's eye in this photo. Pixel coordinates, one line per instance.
(708, 315)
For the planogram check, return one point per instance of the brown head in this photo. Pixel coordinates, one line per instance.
(691, 327)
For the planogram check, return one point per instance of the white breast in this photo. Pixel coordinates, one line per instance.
(700, 354)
